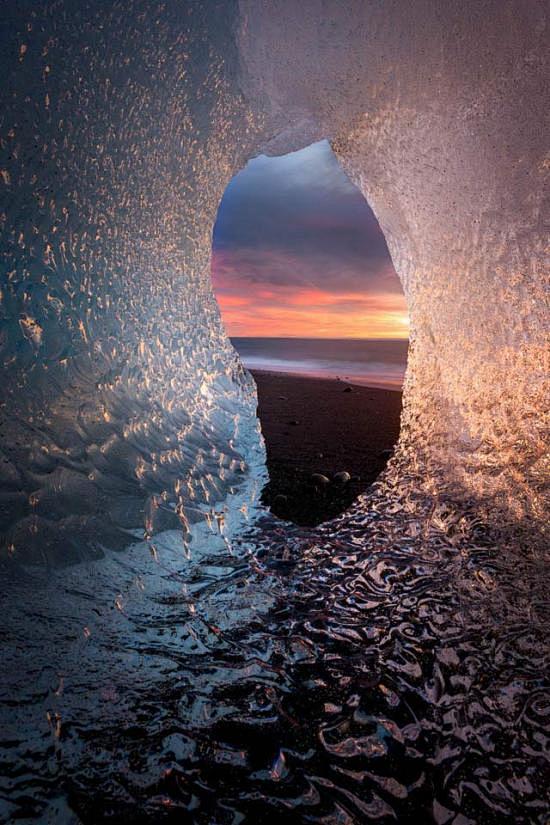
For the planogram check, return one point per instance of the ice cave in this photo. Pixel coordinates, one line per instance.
(169, 651)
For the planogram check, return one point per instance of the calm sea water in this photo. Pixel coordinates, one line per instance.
(373, 362)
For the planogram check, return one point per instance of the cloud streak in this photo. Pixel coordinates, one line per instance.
(297, 251)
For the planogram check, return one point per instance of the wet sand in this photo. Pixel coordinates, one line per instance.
(318, 426)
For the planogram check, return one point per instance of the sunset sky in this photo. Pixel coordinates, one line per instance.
(298, 252)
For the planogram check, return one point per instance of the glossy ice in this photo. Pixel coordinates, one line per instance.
(162, 637)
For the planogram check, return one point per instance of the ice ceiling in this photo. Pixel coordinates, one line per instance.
(125, 412)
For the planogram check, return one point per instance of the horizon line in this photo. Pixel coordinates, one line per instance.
(321, 337)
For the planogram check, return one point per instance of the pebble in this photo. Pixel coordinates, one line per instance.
(280, 500)
(342, 477)
(320, 480)
(348, 389)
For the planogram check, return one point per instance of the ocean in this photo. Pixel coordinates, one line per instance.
(372, 362)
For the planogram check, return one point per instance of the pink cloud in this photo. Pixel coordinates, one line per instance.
(254, 303)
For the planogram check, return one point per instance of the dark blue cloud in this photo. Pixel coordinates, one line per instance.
(301, 207)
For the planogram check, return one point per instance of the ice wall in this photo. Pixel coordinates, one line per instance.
(123, 404)
(437, 112)
(333, 675)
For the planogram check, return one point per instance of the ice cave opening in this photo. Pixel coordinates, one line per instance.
(169, 650)
(312, 304)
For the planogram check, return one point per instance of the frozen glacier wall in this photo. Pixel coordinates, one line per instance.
(437, 112)
(227, 667)
(123, 404)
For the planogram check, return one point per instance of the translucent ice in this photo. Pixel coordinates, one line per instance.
(438, 116)
(231, 671)
(119, 135)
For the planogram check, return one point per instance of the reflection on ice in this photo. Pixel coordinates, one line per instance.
(281, 672)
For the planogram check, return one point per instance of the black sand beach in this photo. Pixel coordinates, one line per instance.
(326, 427)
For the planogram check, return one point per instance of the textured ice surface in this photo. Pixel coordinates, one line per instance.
(122, 400)
(226, 665)
(437, 114)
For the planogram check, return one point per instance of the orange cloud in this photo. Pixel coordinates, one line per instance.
(251, 306)
(292, 321)
(227, 301)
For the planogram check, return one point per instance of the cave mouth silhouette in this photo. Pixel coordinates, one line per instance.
(311, 301)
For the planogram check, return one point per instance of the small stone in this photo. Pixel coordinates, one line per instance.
(330, 708)
(348, 389)
(280, 500)
(320, 480)
(342, 477)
